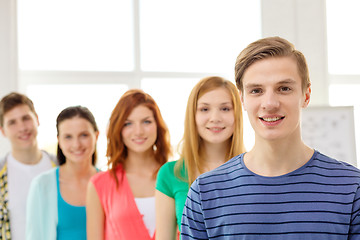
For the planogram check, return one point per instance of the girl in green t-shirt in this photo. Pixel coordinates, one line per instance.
(213, 133)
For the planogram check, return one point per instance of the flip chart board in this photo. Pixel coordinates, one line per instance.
(330, 130)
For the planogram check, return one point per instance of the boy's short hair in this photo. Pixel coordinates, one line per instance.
(270, 47)
(12, 100)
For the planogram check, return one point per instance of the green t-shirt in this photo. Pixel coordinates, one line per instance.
(173, 187)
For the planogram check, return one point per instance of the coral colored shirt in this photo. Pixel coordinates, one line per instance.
(123, 220)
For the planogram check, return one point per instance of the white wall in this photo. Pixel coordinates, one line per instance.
(8, 61)
(302, 22)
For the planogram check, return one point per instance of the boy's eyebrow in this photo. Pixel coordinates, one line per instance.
(253, 85)
(285, 81)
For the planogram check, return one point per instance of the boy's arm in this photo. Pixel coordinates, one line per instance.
(192, 222)
(354, 232)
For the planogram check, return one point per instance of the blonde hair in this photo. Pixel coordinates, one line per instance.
(191, 154)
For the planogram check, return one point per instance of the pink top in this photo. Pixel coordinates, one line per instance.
(123, 220)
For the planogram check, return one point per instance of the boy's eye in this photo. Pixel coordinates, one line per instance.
(285, 89)
(27, 117)
(11, 122)
(255, 91)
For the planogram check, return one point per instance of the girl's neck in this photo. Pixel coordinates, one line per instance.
(77, 170)
(215, 155)
(140, 162)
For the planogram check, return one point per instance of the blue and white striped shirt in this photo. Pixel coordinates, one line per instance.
(320, 200)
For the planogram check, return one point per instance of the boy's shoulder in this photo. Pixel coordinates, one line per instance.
(50, 157)
(326, 162)
(331, 162)
(46, 154)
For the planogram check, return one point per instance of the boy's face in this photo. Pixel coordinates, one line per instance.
(20, 127)
(273, 98)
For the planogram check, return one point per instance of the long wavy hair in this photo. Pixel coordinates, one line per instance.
(71, 112)
(117, 151)
(191, 154)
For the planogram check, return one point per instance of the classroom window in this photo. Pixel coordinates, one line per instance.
(342, 21)
(343, 66)
(75, 35)
(99, 48)
(196, 36)
(50, 100)
(171, 103)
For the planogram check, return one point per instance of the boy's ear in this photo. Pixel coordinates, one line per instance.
(37, 119)
(307, 97)
(242, 100)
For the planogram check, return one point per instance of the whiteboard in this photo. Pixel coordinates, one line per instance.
(331, 131)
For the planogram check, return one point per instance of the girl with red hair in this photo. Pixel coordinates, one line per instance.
(120, 202)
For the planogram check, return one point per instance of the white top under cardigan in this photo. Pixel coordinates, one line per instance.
(20, 176)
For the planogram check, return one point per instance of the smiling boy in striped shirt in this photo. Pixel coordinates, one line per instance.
(281, 188)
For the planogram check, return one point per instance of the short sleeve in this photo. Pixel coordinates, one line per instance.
(164, 179)
(192, 222)
(354, 232)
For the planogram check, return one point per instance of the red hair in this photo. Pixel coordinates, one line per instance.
(116, 149)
